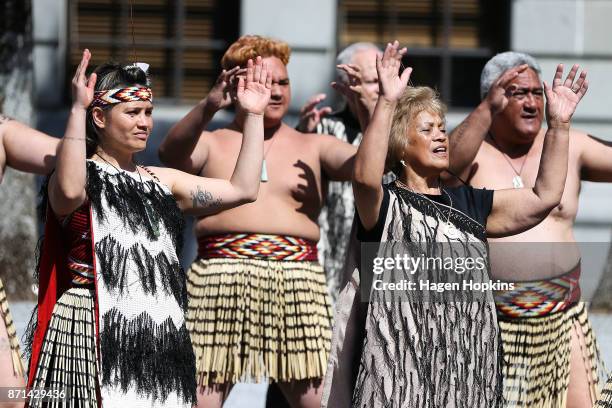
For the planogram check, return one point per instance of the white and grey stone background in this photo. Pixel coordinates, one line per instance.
(553, 31)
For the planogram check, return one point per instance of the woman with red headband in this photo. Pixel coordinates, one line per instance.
(110, 321)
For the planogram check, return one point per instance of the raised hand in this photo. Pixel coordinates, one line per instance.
(391, 84)
(360, 102)
(563, 98)
(497, 97)
(253, 93)
(83, 87)
(354, 92)
(310, 115)
(219, 96)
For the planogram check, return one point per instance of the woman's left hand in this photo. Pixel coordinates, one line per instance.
(83, 87)
(563, 98)
(254, 90)
(391, 84)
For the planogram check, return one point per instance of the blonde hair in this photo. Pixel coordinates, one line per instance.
(250, 46)
(413, 101)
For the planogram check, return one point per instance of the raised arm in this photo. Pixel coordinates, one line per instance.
(517, 210)
(372, 152)
(466, 138)
(180, 148)
(24, 148)
(337, 158)
(67, 184)
(595, 159)
(203, 196)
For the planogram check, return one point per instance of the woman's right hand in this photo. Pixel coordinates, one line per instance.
(391, 84)
(254, 90)
(83, 87)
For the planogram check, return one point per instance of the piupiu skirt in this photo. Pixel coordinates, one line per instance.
(605, 400)
(537, 322)
(5, 315)
(254, 317)
(67, 359)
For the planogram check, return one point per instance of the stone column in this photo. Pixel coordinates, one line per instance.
(18, 225)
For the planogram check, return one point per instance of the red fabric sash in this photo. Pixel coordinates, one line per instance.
(54, 279)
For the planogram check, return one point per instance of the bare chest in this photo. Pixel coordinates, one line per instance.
(496, 171)
(290, 170)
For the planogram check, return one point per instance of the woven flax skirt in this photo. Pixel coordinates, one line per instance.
(606, 396)
(537, 357)
(68, 355)
(5, 315)
(255, 319)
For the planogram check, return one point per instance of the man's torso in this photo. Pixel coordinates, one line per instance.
(549, 248)
(287, 204)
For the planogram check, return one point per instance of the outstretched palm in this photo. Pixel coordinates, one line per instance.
(391, 84)
(563, 98)
(83, 87)
(254, 90)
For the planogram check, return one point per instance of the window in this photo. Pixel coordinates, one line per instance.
(182, 40)
(448, 41)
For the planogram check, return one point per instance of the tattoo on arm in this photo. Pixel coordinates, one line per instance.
(204, 199)
(4, 118)
(458, 133)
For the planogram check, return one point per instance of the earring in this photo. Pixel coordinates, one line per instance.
(403, 163)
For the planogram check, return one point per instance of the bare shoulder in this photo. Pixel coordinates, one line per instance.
(224, 131)
(484, 159)
(300, 142)
(580, 141)
(297, 136)
(485, 152)
(206, 136)
(212, 140)
(579, 138)
(324, 141)
(165, 175)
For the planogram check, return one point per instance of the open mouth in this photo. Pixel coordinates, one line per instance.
(441, 151)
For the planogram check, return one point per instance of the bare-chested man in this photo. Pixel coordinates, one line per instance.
(24, 149)
(549, 348)
(258, 301)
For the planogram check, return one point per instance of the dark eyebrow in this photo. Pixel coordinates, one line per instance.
(529, 89)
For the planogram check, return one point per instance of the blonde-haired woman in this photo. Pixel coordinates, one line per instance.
(417, 349)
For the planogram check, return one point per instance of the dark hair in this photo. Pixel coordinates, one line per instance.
(111, 75)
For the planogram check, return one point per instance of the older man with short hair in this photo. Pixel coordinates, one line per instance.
(550, 353)
(356, 66)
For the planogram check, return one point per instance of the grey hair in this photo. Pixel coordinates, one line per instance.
(346, 56)
(501, 63)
